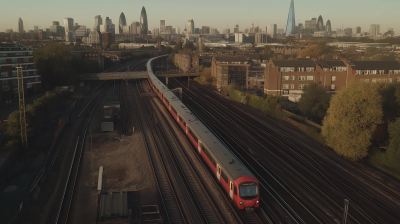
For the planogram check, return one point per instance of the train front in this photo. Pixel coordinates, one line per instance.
(248, 197)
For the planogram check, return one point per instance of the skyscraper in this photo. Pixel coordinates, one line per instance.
(98, 21)
(135, 27)
(36, 29)
(190, 27)
(328, 26)
(374, 30)
(20, 25)
(143, 22)
(272, 30)
(291, 22)
(122, 23)
(236, 29)
(68, 24)
(162, 26)
(320, 24)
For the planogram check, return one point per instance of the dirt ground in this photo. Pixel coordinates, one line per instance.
(126, 168)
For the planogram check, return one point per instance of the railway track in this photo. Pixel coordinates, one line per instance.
(325, 180)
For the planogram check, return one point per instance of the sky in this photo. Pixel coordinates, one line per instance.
(220, 14)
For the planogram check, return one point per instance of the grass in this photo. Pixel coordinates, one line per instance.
(382, 161)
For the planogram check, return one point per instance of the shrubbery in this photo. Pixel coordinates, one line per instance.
(35, 114)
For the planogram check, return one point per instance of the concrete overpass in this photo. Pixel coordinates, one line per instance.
(132, 75)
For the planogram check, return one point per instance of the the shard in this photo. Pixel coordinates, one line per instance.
(291, 22)
(143, 22)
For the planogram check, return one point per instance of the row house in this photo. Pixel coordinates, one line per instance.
(288, 77)
(287, 50)
(12, 55)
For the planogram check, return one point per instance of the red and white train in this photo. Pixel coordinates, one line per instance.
(235, 178)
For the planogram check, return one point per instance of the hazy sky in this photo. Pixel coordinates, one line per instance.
(214, 13)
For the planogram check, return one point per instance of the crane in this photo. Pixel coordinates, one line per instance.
(252, 22)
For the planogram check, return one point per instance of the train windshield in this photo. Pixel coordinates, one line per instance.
(248, 190)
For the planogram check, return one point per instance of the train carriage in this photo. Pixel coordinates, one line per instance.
(234, 177)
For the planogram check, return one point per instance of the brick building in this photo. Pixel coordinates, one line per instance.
(288, 77)
(12, 55)
(186, 62)
(230, 69)
(108, 38)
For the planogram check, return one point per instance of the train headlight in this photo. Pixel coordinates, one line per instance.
(257, 202)
(241, 203)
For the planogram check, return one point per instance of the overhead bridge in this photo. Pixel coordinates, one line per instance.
(131, 75)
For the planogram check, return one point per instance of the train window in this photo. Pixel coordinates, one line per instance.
(173, 109)
(235, 190)
(166, 101)
(193, 135)
(209, 156)
(224, 176)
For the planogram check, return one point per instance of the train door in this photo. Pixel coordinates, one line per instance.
(199, 146)
(218, 172)
(231, 190)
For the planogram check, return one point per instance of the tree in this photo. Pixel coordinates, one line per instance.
(189, 46)
(393, 150)
(371, 49)
(313, 51)
(178, 46)
(168, 50)
(114, 47)
(280, 57)
(314, 101)
(351, 119)
(351, 51)
(268, 49)
(390, 101)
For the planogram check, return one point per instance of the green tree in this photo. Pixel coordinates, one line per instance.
(268, 49)
(390, 101)
(313, 51)
(371, 49)
(189, 46)
(168, 50)
(393, 150)
(352, 118)
(114, 47)
(351, 51)
(314, 101)
(270, 104)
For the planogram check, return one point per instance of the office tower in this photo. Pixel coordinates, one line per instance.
(9, 30)
(98, 21)
(56, 29)
(328, 27)
(156, 32)
(122, 23)
(226, 31)
(179, 30)
(56, 23)
(135, 28)
(313, 24)
(291, 22)
(173, 30)
(320, 24)
(205, 30)
(357, 29)
(280, 31)
(348, 31)
(68, 24)
(236, 29)
(36, 29)
(374, 30)
(190, 27)
(94, 37)
(214, 31)
(300, 28)
(390, 32)
(20, 25)
(81, 31)
(143, 22)
(260, 37)
(254, 29)
(162, 26)
(168, 28)
(70, 36)
(272, 30)
(200, 44)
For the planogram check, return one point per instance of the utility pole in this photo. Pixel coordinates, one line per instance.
(345, 211)
(22, 119)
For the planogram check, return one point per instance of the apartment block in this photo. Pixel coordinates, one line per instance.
(12, 55)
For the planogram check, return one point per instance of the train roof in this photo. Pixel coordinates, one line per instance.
(232, 166)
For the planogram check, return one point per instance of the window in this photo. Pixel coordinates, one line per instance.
(302, 69)
(14, 60)
(373, 72)
(291, 86)
(358, 72)
(326, 69)
(301, 86)
(5, 88)
(396, 71)
(285, 78)
(235, 190)
(302, 78)
(381, 72)
(321, 78)
(333, 87)
(14, 73)
(4, 82)
(292, 77)
(398, 79)
(166, 101)
(287, 69)
(210, 157)
(193, 135)
(4, 74)
(224, 176)
(299, 69)
(310, 69)
(173, 110)
(26, 60)
(2, 60)
(310, 77)
(15, 80)
(333, 78)
(285, 86)
(232, 69)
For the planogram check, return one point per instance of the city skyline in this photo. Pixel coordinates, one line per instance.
(371, 13)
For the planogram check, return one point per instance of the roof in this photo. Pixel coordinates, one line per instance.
(266, 57)
(378, 65)
(230, 58)
(331, 63)
(295, 63)
(254, 56)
